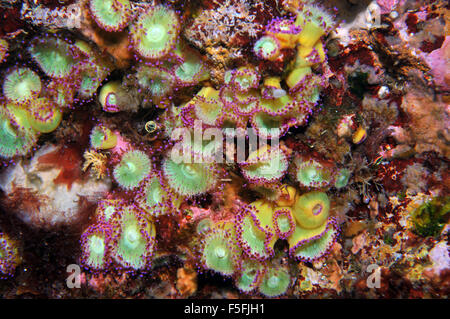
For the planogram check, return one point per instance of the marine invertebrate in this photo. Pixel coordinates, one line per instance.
(192, 70)
(311, 210)
(315, 231)
(313, 248)
(297, 78)
(249, 274)
(155, 31)
(16, 135)
(266, 218)
(21, 85)
(90, 75)
(233, 20)
(244, 78)
(218, 251)
(133, 240)
(267, 48)
(155, 81)
(155, 197)
(102, 138)
(9, 256)
(311, 173)
(277, 105)
(44, 115)
(111, 15)
(134, 166)
(61, 93)
(285, 31)
(107, 209)
(55, 57)
(204, 225)
(269, 126)
(207, 105)
(254, 231)
(95, 245)
(314, 23)
(108, 96)
(283, 222)
(188, 179)
(265, 165)
(342, 177)
(275, 281)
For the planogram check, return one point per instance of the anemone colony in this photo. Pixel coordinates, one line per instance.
(116, 88)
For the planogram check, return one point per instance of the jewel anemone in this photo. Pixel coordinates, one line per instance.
(16, 135)
(133, 239)
(109, 96)
(111, 15)
(342, 177)
(265, 165)
(315, 231)
(95, 245)
(44, 115)
(154, 197)
(21, 85)
(218, 251)
(207, 105)
(55, 57)
(189, 179)
(269, 126)
(102, 138)
(275, 281)
(155, 81)
(254, 232)
(283, 222)
(4, 47)
(314, 23)
(285, 31)
(191, 70)
(267, 48)
(134, 166)
(311, 173)
(155, 31)
(249, 273)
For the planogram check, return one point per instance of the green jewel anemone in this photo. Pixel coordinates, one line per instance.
(102, 138)
(16, 134)
(54, 56)
(21, 85)
(218, 251)
(95, 245)
(189, 179)
(266, 165)
(132, 169)
(155, 32)
(154, 197)
(111, 15)
(134, 239)
(315, 231)
(274, 282)
(311, 173)
(254, 230)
